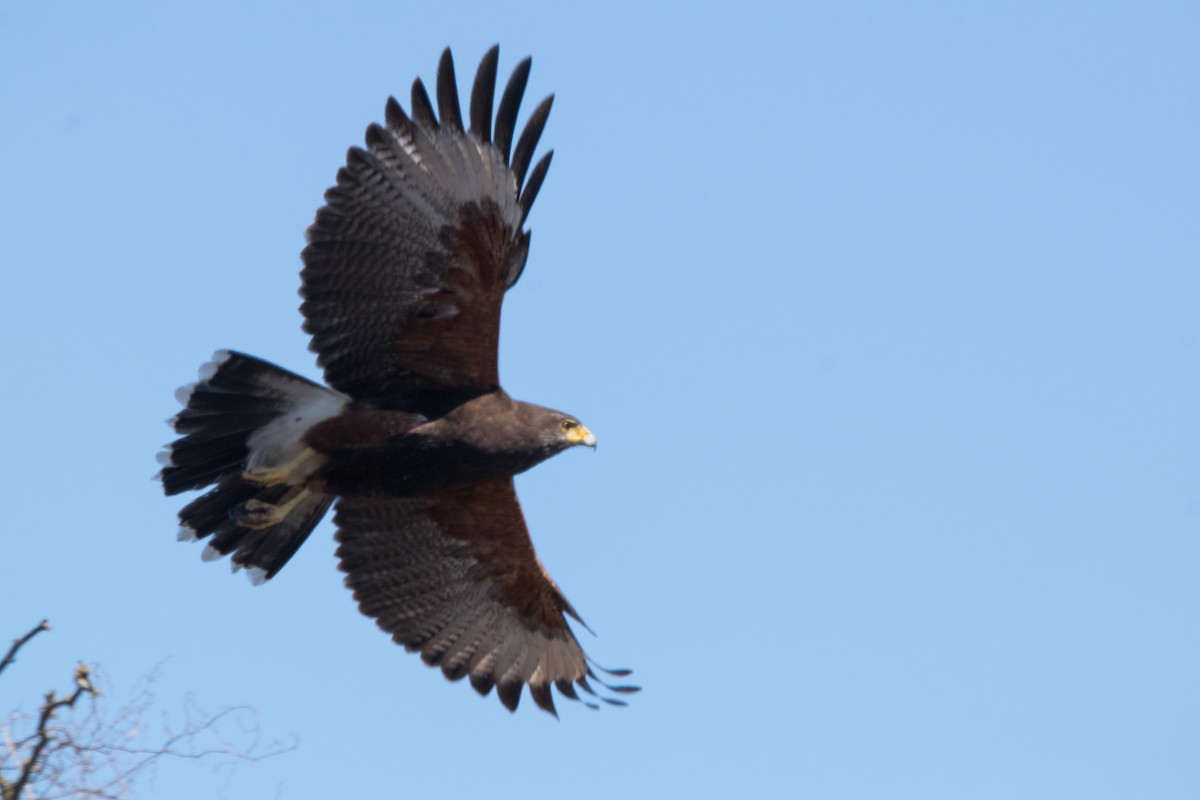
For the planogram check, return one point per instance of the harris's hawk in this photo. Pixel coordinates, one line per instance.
(404, 274)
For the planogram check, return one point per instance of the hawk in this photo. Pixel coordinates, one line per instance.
(404, 275)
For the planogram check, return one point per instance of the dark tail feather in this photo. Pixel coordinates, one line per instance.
(236, 397)
(262, 551)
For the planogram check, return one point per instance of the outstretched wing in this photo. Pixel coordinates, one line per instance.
(454, 576)
(408, 261)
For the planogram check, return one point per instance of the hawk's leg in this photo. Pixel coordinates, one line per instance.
(271, 476)
(257, 514)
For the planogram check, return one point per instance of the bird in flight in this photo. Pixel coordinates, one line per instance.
(404, 275)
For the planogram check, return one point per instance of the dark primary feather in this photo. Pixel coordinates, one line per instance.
(447, 94)
(530, 192)
(422, 109)
(529, 139)
(510, 102)
(482, 94)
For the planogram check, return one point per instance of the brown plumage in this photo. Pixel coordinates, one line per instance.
(404, 276)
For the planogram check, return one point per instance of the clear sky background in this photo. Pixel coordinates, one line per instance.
(885, 315)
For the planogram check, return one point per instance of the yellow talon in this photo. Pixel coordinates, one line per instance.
(257, 514)
(272, 476)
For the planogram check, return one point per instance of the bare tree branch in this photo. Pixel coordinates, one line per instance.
(105, 752)
(43, 735)
(19, 643)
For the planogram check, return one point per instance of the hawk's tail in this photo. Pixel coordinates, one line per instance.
(245, 416)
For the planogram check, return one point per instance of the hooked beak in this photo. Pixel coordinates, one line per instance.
(581, 435)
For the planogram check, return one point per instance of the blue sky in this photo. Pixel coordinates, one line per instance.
(885, 316)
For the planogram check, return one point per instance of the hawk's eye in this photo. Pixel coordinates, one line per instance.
(568, 424)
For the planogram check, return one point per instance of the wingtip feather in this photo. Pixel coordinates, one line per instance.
(540, 692)
(510, 103)
(422, 108)
(530, 192)
(527, 144)
(483, 93)
(447, 93)
(510, 694)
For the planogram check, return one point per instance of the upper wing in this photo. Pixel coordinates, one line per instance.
(409, 259)
(454, 576)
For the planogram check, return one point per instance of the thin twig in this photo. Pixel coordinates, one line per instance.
(44, 625)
